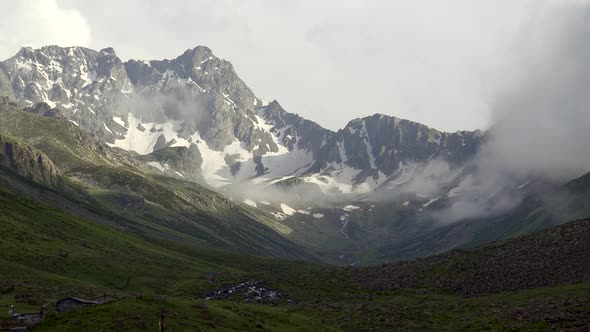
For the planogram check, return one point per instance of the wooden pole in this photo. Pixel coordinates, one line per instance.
(162, 323)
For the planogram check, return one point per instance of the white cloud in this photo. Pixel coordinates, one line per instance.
(328, 60)
(541, 112)
(38, 23)
(332, 60)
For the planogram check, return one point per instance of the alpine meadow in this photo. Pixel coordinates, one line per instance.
(169, 195)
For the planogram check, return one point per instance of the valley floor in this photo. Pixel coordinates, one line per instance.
(563, 308)
(47, 254)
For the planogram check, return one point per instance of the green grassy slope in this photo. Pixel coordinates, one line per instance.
(114, 183)
(47, 253)
(117, 185)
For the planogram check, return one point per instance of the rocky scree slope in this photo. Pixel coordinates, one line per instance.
(552, 257)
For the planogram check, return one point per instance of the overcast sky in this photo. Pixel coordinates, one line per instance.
(436, 62)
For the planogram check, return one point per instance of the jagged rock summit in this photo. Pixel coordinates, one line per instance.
(197, 101)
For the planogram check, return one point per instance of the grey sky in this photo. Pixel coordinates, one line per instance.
(329, 61)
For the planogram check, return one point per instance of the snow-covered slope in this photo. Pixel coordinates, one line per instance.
(197, 101)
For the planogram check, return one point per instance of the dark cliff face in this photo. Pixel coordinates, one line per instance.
(45, 110)
(381, 143)
(5, 86)
(297, 132)
(179, 159)
(28, 162)
(225, 104)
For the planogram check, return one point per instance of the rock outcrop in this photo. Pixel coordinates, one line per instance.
(28, 162)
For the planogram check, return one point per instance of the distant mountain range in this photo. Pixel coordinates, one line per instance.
(183, 149)
(198, 101)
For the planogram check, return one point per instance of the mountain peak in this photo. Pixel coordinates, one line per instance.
(107, 51)
(274, 104)
(25, 51)
(389, 121)
(201, 49)
(196, 55)
(376, 116)
(93, 88)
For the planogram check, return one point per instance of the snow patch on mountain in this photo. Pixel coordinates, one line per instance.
(107, 128)
(157, 165)
(292, 163)
(143, 141)
(430, 202)
(287, 209)
(344, 223)
(119, 121)
(368, 145)
(336, 178)
(214, 167)
(250, 202)
(350, 208)
(341, 151)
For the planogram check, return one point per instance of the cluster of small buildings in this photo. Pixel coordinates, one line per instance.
(23, 321)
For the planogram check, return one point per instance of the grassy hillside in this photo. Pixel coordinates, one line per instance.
(47, 254)
(118, 185)
(80, 219)
(112, 183)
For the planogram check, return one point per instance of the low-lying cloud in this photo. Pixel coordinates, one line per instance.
(541, 112)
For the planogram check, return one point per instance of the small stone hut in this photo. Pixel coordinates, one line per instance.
(71, 303)
(32, 318)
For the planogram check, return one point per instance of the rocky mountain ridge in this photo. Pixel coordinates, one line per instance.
(197, 101)
(369, 192)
